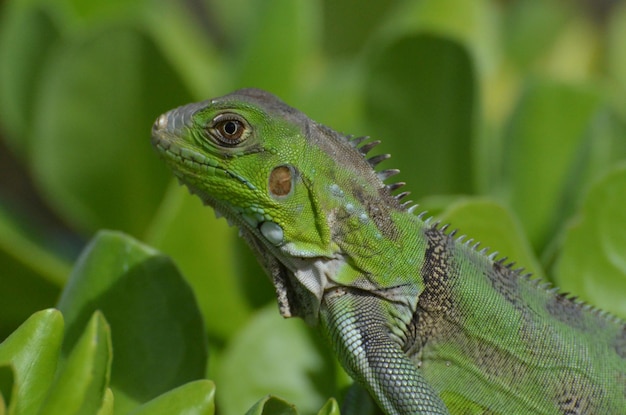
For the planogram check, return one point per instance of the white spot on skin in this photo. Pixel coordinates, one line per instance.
(349, 208)
(272, 232)
(335, 190)
(363, 218)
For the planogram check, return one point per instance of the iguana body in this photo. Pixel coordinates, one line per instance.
(428, 324)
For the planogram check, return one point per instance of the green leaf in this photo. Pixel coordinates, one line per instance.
(31, 276)
(7, 386)
(27, 33)
(346, 32)
(107, 403)
(616, 54)
(91, 152)
(193, 398)
(419, 101)
(202, 246)
(545, 143)
(330, 408)
(358, 401)
(290, 24)
(288, 360)
(81, 383)
(156, 327)
(33, 351)
(532, 27)
(191, 52)
(271, 405)
(494, 226)
(92, 12)
(592, 263)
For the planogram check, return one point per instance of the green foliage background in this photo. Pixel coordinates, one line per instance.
(507, 119)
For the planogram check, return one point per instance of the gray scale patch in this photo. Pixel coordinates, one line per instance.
(620, 344)
(506, 282)
(434, 316)
(578, 397)
(562, 309)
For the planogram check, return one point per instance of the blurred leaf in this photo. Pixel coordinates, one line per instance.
(260, 63)
(287, 361)
(252, 281)
(592, 263)
(271, 405)
(33, 350)
(185, 39)
(576, 51)
(330, 408)
(79, 387)
(91, 151)
(27, 33)
(31, 276)
(107, 403)
(494, 226)
(156, 328)
(471, 23)
(345, 32)
(358, 401)
(7, 383)
(419, 101)
(531, 28)
(202, 247)
(87, 13)
(193, 398)
(616, 55)
(546, 141)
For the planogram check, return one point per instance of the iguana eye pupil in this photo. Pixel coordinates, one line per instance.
(228, 129)
(231, 127)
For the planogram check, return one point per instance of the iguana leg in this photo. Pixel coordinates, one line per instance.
(357, 324)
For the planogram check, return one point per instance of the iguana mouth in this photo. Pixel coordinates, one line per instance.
(184, 156)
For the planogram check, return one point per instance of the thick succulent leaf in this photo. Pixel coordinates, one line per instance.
(494, 226)
(271, 405)
(193, 398)
(331, 407)
(91, 152)
(592, 263)
(288, 360)
(80, 385)
(33, 351)
(107, 403)
(419, 101)
(157, 330)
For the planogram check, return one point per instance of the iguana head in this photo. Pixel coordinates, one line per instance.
(298, 191)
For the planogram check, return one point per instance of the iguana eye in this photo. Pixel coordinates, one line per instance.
(229, 129)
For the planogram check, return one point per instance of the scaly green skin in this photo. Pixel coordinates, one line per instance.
(425, 322)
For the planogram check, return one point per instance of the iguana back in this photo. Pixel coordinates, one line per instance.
(424, 321)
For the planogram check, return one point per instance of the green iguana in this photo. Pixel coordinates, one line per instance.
(425, 322)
